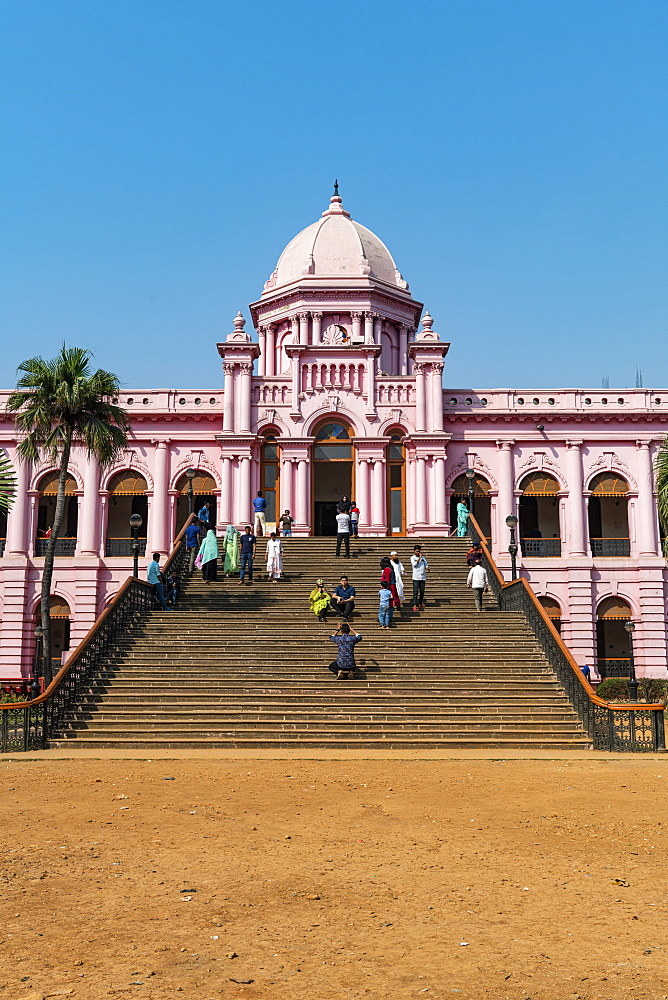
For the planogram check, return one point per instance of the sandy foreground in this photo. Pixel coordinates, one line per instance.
(287, 879)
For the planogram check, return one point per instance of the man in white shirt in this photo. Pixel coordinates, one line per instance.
(420, 570)
(478, 582)
(343, 533)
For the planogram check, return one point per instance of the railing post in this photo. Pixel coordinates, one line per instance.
(659, 731)
(611, 729)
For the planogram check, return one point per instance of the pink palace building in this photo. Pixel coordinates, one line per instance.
(340, 391)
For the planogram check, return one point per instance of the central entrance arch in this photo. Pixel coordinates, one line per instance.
(332, 473)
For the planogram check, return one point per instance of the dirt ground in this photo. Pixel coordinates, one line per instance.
(319, 880)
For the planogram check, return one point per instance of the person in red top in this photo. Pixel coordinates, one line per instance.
(387, 576)
(354, 517)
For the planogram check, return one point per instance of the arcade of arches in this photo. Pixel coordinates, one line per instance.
(203, 491)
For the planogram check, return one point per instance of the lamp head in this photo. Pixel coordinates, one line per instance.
(511, 521)
(470, 474)
(540, 427)
(39, 632)
(135, 520)
(630, 627)
(190, 474)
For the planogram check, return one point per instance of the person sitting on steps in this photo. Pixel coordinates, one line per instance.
(343, 599)
(346, 639)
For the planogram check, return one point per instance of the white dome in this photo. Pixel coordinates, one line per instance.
(335, 247)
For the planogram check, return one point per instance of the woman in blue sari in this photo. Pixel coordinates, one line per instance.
(209, 553)
(462, 519)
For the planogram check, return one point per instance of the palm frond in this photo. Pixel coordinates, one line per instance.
(7, 483)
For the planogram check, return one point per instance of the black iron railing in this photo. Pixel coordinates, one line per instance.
(622, 728)
(619, 667)
(610, 546)
(3, 542)
(123, 546)
(541, 548)
(30, 725)
(64, 546)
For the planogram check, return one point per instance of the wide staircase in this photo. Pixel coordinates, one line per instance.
(246, 667)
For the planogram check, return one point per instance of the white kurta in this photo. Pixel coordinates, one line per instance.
(398, 574)
(274, 558)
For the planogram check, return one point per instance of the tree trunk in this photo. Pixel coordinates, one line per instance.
(49, 557)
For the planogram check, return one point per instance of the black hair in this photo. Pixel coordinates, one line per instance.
(156, 557)
(344, 627)
(384, 562)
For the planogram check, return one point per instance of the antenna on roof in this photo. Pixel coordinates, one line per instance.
(638, 378)
(605, 382)
(336, 189)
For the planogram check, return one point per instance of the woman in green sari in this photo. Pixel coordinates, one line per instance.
(231, 550)
(319, 600)
(209, 556)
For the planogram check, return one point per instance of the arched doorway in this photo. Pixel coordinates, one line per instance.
(609, 516)
(270, 477)
(59, 617)
(552, 609)
(396, 484)
(203, 487)
(612, 639)
(539, 515)
(482, 505)
(127, 496)
(67, 539)
(332, 473)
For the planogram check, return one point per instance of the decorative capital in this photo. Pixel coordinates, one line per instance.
(302, 317)
(245, 368)
(437, 366)
(419, 368)
(317, 315)
(228, 367)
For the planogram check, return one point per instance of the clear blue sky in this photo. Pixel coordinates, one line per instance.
(158, 154)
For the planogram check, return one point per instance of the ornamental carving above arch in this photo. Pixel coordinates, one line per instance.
(129, 462)
(539, 462)
(478, 466)
(73, 470)
(203, 465)
(610, 461)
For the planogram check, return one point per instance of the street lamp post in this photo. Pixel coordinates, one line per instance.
(135, 524)
(37, 666)
(190, 473)
(633, 680)
(511, 522)
(470, 475)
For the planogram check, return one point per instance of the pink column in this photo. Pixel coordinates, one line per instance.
(294, 330)
(303, 328)
(270, 358)
(377, 325)
(225, 515)
(89, 538)
(17, 520)
(379, 496)
(368, 328)
(243, 492)
(403, 349)
(296, 373)
(577, 542)
(244, 410)
(439, 493)
(285, 486)
(362, 491)
(262, 360)
(33, 500)
(437, 396)
(647, 517)
(420, 491)
(228, 399)
(160, 528)
(173, 498)
(420, 400)
(301, 500)
(104, 521)
(506, 504)
(370, 385)
(316, 327)
(357, 326)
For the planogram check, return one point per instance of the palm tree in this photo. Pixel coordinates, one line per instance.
(56, 404)
(7, 484)
(661, 470)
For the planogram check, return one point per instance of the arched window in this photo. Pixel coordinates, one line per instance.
(482, 505)
(540, 533)
(270, 477)
(67, 538)
(612, 639)
(332, 474)
(608, 516)
(396, 484)
(127, 496)
(552, 610)
(203, 486)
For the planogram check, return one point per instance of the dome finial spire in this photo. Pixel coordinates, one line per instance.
(335, 206)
